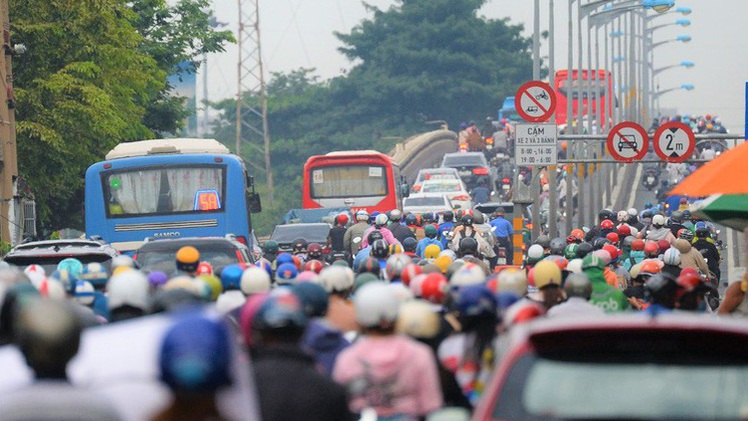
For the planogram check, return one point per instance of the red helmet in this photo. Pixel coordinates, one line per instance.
(409, 272)
(313, 266)
(624, 231)
(607, 224)
(434, 288)
(651, 248)
(612, 250)
(663, 245)
(314, 250)
(578, 233)
(637, 245)
(341, 219)
(612, 237)
(649, 267)
(204, 268)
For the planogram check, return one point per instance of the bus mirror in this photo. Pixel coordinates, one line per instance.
(404, 190)
(255, 205)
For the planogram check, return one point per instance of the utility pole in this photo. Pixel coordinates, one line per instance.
(251, 81)
(8, 166)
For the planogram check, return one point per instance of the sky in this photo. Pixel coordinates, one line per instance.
(299, 33)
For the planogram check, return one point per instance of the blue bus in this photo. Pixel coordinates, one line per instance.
(169, 188)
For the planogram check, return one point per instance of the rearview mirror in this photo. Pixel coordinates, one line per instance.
(254, 203)
(404, 190)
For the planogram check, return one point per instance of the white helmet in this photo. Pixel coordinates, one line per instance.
(535, 251)
(396, 215)
(658, 220)
(84, 293)
(362, 216)
(402, 292)
(395, 265)
(603, 255)
(417, 319)
(36, 274)
(230, 300)
(53, 289)
(468, 274)
(336, 279)
(122, 260)
(375, 302)
(671, 257)
(381, 220)
(128, 288)
(255, 280)
(633, 212)
(634, 231)
(575, 266)
(622, 216)
(449, 253)
(512, 280)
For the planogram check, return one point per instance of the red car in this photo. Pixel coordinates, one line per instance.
(632, 367)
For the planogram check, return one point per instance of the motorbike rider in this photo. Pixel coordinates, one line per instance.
(659, 231)
(446, 227)
(400, 231)
(675, 223)
(705, 245)
(503, 231)
(336, 238)
(594, 232)
(468, 230)
(380, 224)
(354, 236)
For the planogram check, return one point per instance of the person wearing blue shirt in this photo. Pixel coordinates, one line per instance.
(503, 231)
(445, 228)
(430, 238)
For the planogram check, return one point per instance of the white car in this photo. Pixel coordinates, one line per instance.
(434, 174)
(418, 203)
(454, 190)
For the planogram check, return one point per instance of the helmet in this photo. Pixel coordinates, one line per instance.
(650, 268)
(535, 251)
(283, 258)
(47, 332)
(691, 282)
(606, 214)
(374, 235)
(478, 218)
(313, 298)
(651, 249)
(476, 301)
(468, 246)
(370, 265)
(380, 249)
(84, 293)
(434, 287)
(570, 252)
(607, 224)
(122, 260)
(512, 280)
(341, 219)
(255, 280)
(271, 247)
(395, 248)
(362, 216)
(336, 279)
(157, 279)
(410, 244)
(467, 219)
(676, 216)
(94, 272)
(613, 237)
(624, 231)
(409, 272)
(196, 355)
(686, 215)
(637, 245)
(658, 220)
(430, 231)
(411, 219)
(381, 220)
(647, 214)
(128, 288)
(282, 312)
(443, 261)
(627, 242)
(578, 234)
(613, 252)
(574, 266)
(417, 319)
(396, 215)
(204, 268)
(584, 249)
(599, 242)
(578, 285)
(284, 274)
(546, 273)
(395, 265)
(432, 251)
(702, 232)
(448, 216)
(647, 205)
(661, 289)
(632, 212)
(314, 251)
(557, 246)
(299, 246)
(313, 266)
(671, 257)
(248, 312)
(604, 256)
(592, 261)
(231, 277)
(376, 303)
(364, 278)
(468, 274)
(686, 235)
(72, 265)
(187, 259)
(663, 245)
(622, 216)
(544, 241)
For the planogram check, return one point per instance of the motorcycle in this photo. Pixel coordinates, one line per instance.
(650, 179)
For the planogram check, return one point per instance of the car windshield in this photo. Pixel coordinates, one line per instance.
(49, 263)
(442, 186)
(463, 160)
(311, 233)
(424, 201)
(162, 257)
(553, 389)
(436, 175)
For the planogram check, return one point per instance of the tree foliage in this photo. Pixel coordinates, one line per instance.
(95, 75)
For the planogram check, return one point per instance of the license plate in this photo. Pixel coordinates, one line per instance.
(489, 147)
(465, 173)
(650, 179)
(505, 187)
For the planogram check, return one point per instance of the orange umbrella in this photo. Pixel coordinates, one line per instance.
(725, 174)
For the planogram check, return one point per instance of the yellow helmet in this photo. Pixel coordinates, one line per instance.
(432, 251)
(120, 269)
(546, 273)
(443, 262)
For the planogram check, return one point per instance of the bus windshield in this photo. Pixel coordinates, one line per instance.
(602, 86)
(348, 181)
(175, 189)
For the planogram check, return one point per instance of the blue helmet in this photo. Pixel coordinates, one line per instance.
(266, 265)
(313, 298)
(476, 301)
(95, 273)
(72, 265)
(196, 355)
(286, 273)
(283, 258)
(231, 277)
(279, 312)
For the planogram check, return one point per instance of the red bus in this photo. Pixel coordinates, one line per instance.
(366, 180)
(602, 92)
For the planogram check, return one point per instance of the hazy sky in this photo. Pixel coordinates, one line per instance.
(299, 33)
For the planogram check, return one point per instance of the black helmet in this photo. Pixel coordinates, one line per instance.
(647, 214)
(479, 218)
(370, 265)
(467, 219)
(374, 235)
(677, 217)
(410, 244)
(686, 234)
(410, 219)
(468, 245)
(448, 216)
(380, 249)
(686, 215)
(299, 245)
(606, 214)
(628, 241)
(544, 241)
(271, 246)
(557, 246)
(599, 243)
(702, 232)
(584, 249)
(661, 289)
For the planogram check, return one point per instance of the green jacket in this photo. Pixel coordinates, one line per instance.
(606, 297)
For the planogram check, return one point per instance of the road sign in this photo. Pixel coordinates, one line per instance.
(627, 142)
(674, 142)
(535, 101)
(535, 144)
